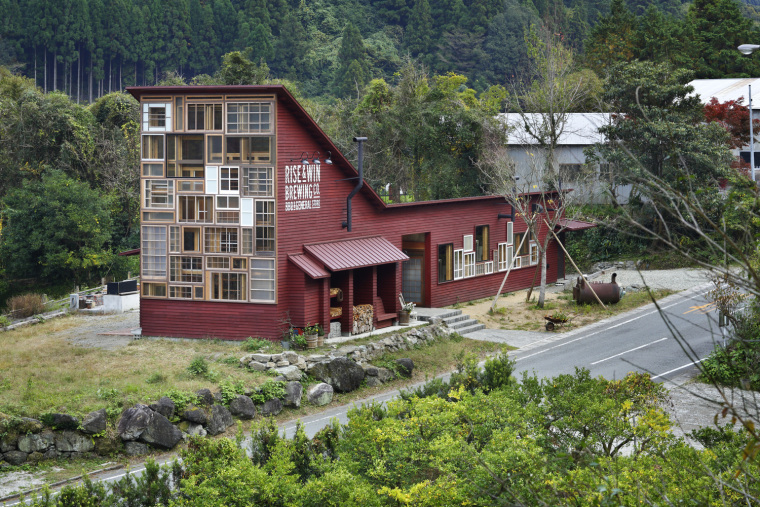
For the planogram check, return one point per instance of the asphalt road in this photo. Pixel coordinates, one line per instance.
(664, 342)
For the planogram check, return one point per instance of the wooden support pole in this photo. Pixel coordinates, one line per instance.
(573, 263)
(509, 269)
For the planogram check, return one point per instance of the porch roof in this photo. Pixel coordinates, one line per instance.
(355, 253)
(309, 266)
(574, 225)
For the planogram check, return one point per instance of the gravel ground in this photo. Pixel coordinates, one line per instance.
(673, 279)
(91, 326)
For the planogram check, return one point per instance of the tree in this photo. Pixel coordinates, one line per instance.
(55, 229)
(613, 38)
(353, 71)
(237, 69)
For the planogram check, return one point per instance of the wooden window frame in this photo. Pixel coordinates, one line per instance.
(228, 241)
(199, 216)
(240, 117)
(482, 243)
(265, 231)
(153, 252)
(446, 262)
(267, 182)
(217, 282)
(146, 292)
(147, 146)
(158, 194)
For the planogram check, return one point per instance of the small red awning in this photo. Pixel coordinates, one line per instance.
(355, 253)
(135, 251)
(309, 266)
(573, 225)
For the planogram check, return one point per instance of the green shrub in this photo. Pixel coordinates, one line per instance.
(26, 305)
(230, 388)
(199, 368)
(497, 372)
(181, 399)
(156, 378)
(269, 390)
(253, 344)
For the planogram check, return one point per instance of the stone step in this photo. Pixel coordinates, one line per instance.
(474, 326)
(456, 318)
(446, 315)
(463, 324)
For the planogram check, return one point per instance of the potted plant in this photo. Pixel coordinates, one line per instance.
(320, 335)
(311, 332)
(299, 341)
(406, 310)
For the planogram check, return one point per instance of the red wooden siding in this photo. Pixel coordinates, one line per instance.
(303, 300)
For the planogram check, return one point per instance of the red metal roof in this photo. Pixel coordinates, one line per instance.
(308, 266)
(135, 251)
(573, 225)
(356, 253)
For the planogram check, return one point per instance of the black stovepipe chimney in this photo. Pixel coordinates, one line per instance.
(359, 185)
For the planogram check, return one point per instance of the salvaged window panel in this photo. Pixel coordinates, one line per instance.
(258, 181)
(481, 243)
(184, 156)
(186, 269)
(195, 209)
(152, 289)
(245, 117)
(204, 117)
(159, 194)
(248, 149)
(153, 251)
(445, 262)
(228, 286)
(265, 227)
(153, 147)
(262, 280)
(221, 240)
(229, 181)
(458, 264)
(469, 264)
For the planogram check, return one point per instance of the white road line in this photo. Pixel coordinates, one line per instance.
(602, 330)
(627, 351)
(676, 369)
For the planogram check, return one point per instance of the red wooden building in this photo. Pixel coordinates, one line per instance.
(243, 211)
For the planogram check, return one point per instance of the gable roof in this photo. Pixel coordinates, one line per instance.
(580, 129)
(727, 89)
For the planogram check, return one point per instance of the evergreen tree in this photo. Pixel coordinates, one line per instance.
(613, 39)
(419, 33)
(353, 71)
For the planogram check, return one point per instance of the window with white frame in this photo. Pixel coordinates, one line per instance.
(156, 117)
(153, 251)
(458, 264)
(262, 280)
(229, 182)
(510, 233)
(469, 264)
(159, 194)
(258, 181)
(244, 117)
(265, 227)
(175, 239)
(505, 256)
(228, 286)
(533, 253)
(468, 243)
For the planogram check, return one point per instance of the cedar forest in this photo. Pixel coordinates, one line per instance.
(424, 81)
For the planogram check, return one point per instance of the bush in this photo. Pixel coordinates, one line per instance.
(253, 344)
(26, 305)
(199, 368)
(268, 391)
(497, 372)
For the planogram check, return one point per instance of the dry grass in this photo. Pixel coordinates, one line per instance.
(40, 371)
(25, 305)
(513, 312)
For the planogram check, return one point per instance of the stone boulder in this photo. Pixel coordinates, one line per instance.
(133, 422)
(405, 366)
(242, 406)
(385, 375)
(15, 457)
(205, 397)
(372, 381)
(73, 441)
(35, 442)
(135, 449)
(64, 422)
(342, 373)
(29, 425)
(196, 430)
(289, 372)
(220, 420)
(8, 443)
(320, 394)
(195, 415)
(94, 422)
(161, 433)
(293, 394)
(271, 407)
(164, 406)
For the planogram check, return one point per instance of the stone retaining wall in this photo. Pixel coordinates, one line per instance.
(161, 426)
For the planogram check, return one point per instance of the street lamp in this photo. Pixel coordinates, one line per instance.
(747, 49)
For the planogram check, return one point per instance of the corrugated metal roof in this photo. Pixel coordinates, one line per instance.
(580, 129)
(574, 225)
(308, 266)
(727, 89)
(356, 253)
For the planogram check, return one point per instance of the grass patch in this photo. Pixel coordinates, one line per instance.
(42, 372)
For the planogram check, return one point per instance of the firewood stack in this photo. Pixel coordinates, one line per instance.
(363, 316)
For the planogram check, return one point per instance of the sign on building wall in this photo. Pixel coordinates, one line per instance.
(302, 186)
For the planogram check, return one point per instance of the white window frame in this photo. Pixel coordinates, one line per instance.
(533, 253)
(158, 194)
(503, 250)
(469, 264)
(227, 183)
(212, 179)
(153, 251)
(510, 233)
(263, 280)
(468, 243)
(458, 264)
(167, 117)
